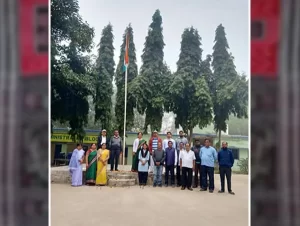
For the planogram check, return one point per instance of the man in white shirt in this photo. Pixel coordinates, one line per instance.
(187, 166)
(169, 138)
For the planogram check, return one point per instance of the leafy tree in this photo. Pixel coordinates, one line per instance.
(105, 67)
(189, 95)
(71, 81)
(148, 86)
(132, 72)
(228, 89)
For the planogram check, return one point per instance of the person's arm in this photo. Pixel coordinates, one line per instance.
(154, 157)
(107, 156)
(219, 156)
(175, 164)
(215, 154)
(194, 160)
(163, 158)
(135, 146)
(231, 158)
(121, 145)
(147, 157)
(87, 157)
(110, 142)
(150, 145)
(140, 156)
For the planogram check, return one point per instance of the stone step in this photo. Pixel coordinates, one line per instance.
(121, 176)
(121, 182)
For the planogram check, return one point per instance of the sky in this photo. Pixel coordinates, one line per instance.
(204, 15)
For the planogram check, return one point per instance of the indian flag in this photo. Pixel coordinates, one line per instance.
(126, 57)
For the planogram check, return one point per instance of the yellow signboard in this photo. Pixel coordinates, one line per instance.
(66, 138)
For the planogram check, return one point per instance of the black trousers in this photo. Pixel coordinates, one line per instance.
(187, 176)
(206, 170)
(170, 169)
(178, 176)
(197, 175)
(225, 172)
(143, 177)
(114, 158)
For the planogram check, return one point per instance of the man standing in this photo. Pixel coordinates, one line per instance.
(102, 138)
(153, 144)
(115, 150)
(171, 160)
(196, 150)
(169, 138)
(178, 170)
(158, 159)
(208, 156)
(180, 139)
(226, 161)
(187, 164)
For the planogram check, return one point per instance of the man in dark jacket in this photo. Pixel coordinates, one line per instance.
(158, 156)
(171, 161)
(196, 150)
(102, 138)
(226, 161)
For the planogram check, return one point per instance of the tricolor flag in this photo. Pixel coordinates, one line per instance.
(126, 57)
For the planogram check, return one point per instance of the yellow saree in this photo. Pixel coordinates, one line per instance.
(103, 156)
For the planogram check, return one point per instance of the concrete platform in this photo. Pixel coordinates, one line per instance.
(122, 178)
(133, 206)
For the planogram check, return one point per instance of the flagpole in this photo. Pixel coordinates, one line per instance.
(125, 111)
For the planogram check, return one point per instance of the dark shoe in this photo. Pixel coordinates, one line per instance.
(182, 188)
(203, 189)
(221, 191)
(154, 185)
(211, 191)
(160, 185)
(190, 189)
(231, 192)
(195, 186)
(116, 170)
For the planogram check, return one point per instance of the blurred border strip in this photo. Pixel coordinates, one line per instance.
(9, 120)
(289, 83)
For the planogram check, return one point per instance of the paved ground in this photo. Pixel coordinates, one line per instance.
(150, 206)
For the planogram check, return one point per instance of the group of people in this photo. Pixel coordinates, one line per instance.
(158, 154)
(96, 159)
(169, 154)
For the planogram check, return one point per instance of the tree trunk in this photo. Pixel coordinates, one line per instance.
(190, 135)
(219, 140)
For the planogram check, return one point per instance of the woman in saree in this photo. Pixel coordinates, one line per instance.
(91, 165)
(137, 145)
(103, 156)
(75, 166)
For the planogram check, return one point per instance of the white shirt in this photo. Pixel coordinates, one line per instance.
(187, 158)
(103, 140)
(135, 145)
(165, 143)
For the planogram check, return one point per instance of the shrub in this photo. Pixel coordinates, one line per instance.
(243, 164)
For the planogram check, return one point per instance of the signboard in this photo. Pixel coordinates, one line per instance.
(66, 138)
(33, 37)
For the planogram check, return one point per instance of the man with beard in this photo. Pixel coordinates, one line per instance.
(180, 139)
(196, 150)
(226, 161)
